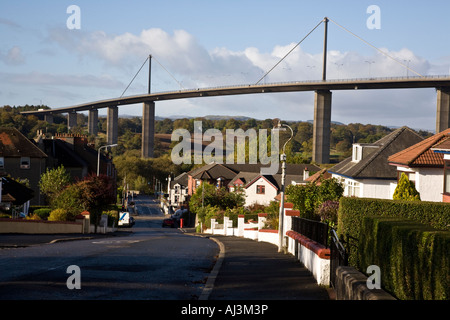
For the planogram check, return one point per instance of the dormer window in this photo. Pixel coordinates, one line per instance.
(357, 153)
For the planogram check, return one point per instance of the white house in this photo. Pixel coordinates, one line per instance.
(423, 166)
(367, 173)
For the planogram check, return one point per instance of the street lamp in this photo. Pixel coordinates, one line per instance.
(98, 155)
(279, 126)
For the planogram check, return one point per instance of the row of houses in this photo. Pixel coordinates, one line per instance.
(25, 160)
(371, 172)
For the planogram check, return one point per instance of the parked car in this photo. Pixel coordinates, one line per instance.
(174, 219)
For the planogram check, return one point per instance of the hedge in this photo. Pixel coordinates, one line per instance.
(413, 258)
(352, 210)
(408, 240)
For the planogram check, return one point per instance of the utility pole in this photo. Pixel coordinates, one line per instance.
(325, 40)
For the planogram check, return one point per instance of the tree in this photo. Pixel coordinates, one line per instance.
(308, 198)
(53, 181)
(406, 190)
(96, 194)
(209, 196)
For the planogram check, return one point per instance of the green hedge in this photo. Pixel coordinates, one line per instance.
(352, 210)
(413, 258)
(402, 241)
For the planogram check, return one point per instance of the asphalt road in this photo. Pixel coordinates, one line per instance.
(149, 262)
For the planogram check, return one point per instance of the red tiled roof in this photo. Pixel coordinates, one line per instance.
(421, 154)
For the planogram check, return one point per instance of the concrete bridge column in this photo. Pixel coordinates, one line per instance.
(148, 129)
(71, 120)
(49, 118)
(321, 127)
(443, 109)
(112, 125)
(93, 122)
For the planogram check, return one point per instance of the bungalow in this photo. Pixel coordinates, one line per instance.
(258, 188)
(367, 173)
(443, 147)
(423, 166)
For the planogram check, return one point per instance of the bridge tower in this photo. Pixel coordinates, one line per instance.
(322, 114)
(148, 121)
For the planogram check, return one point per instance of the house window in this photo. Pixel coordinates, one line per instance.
(260, 189)
(25, 163)
(2, 163)
(353, 188)
(447, 179)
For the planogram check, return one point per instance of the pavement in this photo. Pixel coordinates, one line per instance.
(250, 270)
(244, 270)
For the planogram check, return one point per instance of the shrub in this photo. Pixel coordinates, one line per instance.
(60, 215)
(42, 213)
(406, 190)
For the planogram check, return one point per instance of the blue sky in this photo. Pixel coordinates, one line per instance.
(214, 43)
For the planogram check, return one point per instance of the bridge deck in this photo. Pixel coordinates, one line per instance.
(346, 84)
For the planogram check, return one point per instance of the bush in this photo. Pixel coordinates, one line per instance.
(406, 190)
(413, 258)
(42, 213)
(308, 198)
(60, 215)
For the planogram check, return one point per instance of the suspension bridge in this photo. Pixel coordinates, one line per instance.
(322, 103)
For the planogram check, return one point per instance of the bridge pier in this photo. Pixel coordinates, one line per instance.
(148, 129)
(71, 120)
(93, 122)
(321, 127)
(49, 118)
(443, 109)
(112, 125)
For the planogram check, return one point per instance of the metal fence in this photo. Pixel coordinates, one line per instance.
(338, 256)
(314, 230)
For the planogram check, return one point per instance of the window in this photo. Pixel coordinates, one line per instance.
(447, 179)
(260, 189)
(25, 163)
(353, 188)
(2, 163)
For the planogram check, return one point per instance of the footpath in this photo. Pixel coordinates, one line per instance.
(250, 270)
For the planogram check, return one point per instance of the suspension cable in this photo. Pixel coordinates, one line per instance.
(134, 77)
(371, 45)
(173, 77)
(289, 52)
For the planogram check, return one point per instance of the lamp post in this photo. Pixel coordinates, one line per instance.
(279, 126)
(98, 155)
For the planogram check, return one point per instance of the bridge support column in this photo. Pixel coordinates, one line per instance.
(443, 109)
(49, 118)
(93, 122)
(148, 129)
(321, 127)
(71, 120)
(112, 125)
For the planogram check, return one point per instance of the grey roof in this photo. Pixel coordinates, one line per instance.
(374, 165)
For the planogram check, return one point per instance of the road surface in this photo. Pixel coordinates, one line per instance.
(148, 262)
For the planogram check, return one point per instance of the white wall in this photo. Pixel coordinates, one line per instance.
(264, 199)
(369, 188)
(430, 184)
